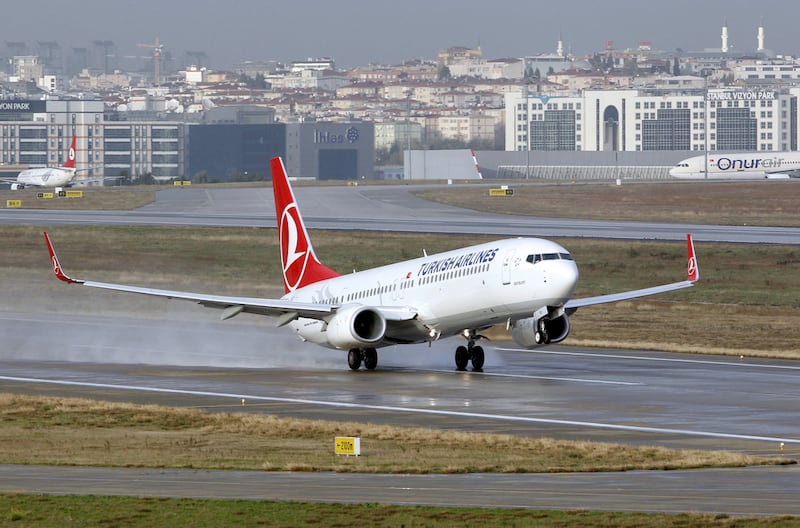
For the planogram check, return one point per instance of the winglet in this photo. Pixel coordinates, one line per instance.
(693, 269)
(56, 266)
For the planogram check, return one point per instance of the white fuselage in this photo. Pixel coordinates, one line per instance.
(756, 165)
(473, 287)
(45, 177)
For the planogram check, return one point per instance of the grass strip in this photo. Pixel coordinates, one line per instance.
(47, 511)
(72, 431)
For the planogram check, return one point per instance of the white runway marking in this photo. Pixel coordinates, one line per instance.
(645, 358)
(550, 378)
(460, 414)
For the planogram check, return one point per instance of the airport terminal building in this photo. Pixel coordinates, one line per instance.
(664, 124)
(38, 134)
(118, 145)
(654, 120)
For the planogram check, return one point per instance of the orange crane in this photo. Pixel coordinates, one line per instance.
(157, 49)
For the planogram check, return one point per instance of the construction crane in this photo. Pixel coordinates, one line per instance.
(157, 49)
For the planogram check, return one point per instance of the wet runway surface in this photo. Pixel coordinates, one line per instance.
(636, 397)
(631, 396)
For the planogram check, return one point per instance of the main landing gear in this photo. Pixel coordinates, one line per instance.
(471, 352)
(368, 355)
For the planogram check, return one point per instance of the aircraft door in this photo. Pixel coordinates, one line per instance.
(397, 292)
(508, 263)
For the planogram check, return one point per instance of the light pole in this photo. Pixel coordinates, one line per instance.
(527, 134)
(705, 132)
(408, 130)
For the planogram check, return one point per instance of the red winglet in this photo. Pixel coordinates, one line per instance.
(693, 269)
(56, 266)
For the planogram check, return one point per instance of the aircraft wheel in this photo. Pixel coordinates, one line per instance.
(477, 358)
(354, 358)
(462, 358)
(370, 358)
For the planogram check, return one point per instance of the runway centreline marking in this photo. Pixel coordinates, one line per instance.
(642, 358)
(460, 414)
(549, 378)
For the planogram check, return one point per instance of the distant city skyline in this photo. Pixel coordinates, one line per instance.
(357, 32)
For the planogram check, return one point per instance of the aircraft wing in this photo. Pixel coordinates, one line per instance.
(574, 304)
(286, 311)
(693, 275)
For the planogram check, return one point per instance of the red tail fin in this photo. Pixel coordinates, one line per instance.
(300, 264)
(692, 268)
(70, 163)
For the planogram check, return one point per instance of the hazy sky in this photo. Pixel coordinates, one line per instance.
(357, 32)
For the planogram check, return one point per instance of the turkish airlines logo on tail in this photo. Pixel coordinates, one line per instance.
(71, 155)
(294, 247)
(692, 270)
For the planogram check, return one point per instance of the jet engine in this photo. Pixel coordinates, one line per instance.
(533, 331)
(356, 326)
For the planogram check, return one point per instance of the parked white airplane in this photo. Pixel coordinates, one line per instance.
(741, 166)
(524, 283)
(47, 176)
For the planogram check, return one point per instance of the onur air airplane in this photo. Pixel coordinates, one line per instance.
(526, 284)
(741, 166)
(48, 176)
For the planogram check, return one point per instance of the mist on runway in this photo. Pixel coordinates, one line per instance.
(188, 335)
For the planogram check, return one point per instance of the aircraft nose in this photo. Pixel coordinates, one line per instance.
(566, 278)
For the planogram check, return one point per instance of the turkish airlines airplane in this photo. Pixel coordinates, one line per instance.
(48, 176)
(741, 166)
(525, 284)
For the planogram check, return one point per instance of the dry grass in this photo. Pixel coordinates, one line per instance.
(769, 203)
(44, 430)
(99, 199)
(45, 511)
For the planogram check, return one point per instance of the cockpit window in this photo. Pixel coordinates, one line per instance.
(533, 259)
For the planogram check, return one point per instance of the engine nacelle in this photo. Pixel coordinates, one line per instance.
(533, 332)
(17, 186)
(356, 326)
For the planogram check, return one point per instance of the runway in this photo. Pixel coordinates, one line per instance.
(635, 397)
(728, 491)
(595, 394)
(381, 208)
